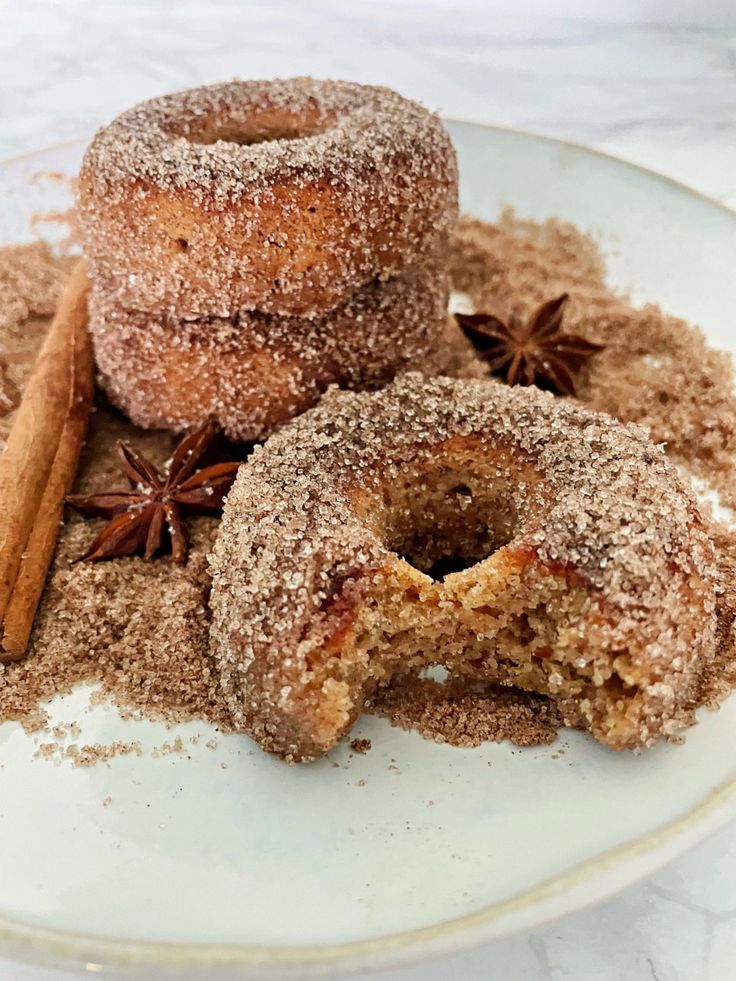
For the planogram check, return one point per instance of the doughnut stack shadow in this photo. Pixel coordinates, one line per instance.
(251, 243)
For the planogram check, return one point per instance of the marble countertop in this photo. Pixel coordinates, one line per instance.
(652, 81)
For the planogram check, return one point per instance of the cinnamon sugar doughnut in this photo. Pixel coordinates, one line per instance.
(282, 196)
(254, 371)
(589, 574)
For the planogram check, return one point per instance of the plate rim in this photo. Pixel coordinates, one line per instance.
(581, 885)
(99, 954)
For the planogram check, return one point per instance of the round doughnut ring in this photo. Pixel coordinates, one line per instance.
(281, 196)
(583, 568)
(254, 371)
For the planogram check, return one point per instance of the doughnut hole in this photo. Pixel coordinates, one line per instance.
(466, 589)
(269, 124)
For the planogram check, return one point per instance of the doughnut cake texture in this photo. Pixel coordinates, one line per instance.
(588, 574)
(280, 196)
(252, 372)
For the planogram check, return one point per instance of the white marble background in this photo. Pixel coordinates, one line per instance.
(653, 81)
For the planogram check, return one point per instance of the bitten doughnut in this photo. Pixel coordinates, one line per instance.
(252, 372)
(584, 571)
(281, 196)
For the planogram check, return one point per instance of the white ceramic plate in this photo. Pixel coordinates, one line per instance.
(230, 864)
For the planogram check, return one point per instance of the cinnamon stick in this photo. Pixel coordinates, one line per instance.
(39, 462)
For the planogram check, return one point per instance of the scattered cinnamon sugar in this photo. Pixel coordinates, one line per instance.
(87, 755)
(136, 629)
(101, 753)
(64, 223)
(361, 746)
(139, 630)
(168, 748)
(31, 279)
(454, 712)
(65, 730)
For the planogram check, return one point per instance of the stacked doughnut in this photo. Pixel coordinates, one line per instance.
(251, 243)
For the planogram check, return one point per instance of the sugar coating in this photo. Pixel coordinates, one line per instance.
(255, 371)
(296, 559)
(282, 196)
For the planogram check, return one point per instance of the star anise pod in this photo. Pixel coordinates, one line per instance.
(535, 352)
(142, 518)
